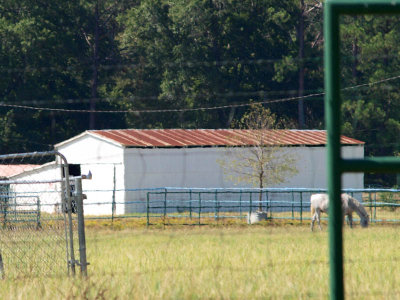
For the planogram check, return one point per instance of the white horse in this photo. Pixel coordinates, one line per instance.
(320, 203)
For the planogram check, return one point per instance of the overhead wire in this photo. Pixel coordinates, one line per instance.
(138, 111)
(188, 63)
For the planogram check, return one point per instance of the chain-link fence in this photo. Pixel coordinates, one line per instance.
(38, 231)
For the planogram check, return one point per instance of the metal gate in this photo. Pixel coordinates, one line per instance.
(336, 164)
(41, 216)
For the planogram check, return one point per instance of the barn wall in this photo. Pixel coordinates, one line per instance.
(49, 194)
(88, 149)
(353, 180)
(198, 167)
(100, 158)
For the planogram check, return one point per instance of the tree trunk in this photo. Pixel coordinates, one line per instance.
(301, 66)
(95, 66)
(355, 62)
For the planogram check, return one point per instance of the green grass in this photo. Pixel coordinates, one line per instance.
(235, 262)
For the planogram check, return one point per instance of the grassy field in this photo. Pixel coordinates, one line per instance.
(221, 262)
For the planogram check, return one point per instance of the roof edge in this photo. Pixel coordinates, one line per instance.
(89, 133)
(97, 134)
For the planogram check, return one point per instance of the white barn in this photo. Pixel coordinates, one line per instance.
(27, 187)
(123, 161)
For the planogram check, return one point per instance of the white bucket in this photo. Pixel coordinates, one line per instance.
(256, 217)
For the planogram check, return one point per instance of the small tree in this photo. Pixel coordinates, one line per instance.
(265, 161)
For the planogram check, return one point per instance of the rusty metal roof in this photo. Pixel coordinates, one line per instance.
(216, 137)
(12, 170)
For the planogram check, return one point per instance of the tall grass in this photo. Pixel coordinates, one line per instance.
(252, 262)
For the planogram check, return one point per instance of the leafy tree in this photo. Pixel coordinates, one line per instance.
(47, 60)
(8, 140)
(196, 53)
(371, 113)
(309, 36)
(38, 57)
(261, 164)
(101, 58)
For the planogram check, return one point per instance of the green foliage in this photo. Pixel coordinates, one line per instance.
(201, 53)
(371, 113)
(8, 134)
(185, 55)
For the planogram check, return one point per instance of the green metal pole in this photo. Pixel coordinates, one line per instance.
(301, 207)
(370, 205)
(292, 205)
(240, 202)
(216, 206)
(332, 113)
(190, 204)
(335, 164)
(251, 204)
(199, 208)
(165, 206)
(148, 209)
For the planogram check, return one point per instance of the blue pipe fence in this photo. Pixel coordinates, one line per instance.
(198, 205)
(207, 205)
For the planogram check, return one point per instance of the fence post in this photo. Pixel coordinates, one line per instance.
(301, 207)
(370, 205)
(292, 205)
(199, 208)
(5, 208)
(251, 204)
(148, 209)
(216, 205)
(113, 205)
(165, 206)
(190, 204)
(2, 273)
(240, 203)
(68, 206)
(81, 226)
(38, 225)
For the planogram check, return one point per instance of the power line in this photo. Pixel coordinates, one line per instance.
(188, 63)
(260, 93)
(157, 110)
(193, 109)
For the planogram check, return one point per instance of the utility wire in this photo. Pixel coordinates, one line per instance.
(190, 64)
(193, 109)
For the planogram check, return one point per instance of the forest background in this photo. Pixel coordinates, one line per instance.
(69, 66)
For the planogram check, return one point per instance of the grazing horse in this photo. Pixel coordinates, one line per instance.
(320, 203)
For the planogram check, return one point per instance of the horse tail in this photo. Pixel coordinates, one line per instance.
(312, 210)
